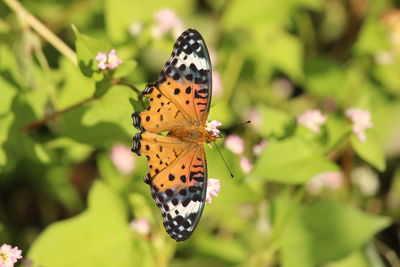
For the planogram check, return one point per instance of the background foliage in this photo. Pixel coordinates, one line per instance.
(64, 202)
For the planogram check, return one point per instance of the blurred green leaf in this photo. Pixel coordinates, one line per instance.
(372, 37)
(326, 231)
(275, 122)
(102, 86)
(106, 233)
(113, 107)
(365, 257)
(257, 13)
(291, 161)
(7, 94)
(74, 87)
(265, 48)
(371, 150)
(127, 67)
(227, 249)
(324, 77)
(387, 74)
(119, 14)
(6, 121)
(75, 151)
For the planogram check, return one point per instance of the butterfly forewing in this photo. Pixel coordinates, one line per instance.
(186, 77)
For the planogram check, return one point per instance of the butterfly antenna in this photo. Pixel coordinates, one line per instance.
(226, 165)
(241, 124)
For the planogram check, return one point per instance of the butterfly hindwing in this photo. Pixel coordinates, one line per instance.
(177, 178)
(183, 200)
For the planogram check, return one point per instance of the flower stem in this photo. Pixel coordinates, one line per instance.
(134, 88)
(52, 116)
(42, 30)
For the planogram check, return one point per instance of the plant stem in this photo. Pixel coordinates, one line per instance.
(47, 118)
(134, 88)
(42, 30)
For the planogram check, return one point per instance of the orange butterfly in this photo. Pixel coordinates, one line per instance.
(179, 104)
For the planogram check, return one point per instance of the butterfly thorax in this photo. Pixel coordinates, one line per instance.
(193, 134)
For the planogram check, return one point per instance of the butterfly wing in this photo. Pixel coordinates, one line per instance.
(182, 92)
(177, 178)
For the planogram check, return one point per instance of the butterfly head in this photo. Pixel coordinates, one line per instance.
(211, 136)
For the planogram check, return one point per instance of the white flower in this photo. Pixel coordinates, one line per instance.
(235, 144)
(212, 126)
(108, 61)
(135, 28)
(9, 255)
(213, 186)
(361, 120)
(312, 119)
(140, 226)
(257, 149)
(366, 180)
(329, 180)
(246, 165)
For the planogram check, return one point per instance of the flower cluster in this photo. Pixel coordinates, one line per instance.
(9, 255)
(212, 126)
(235, 144)
(312, 119)
(326, 180)
(140, 226)
(108, 60)
(213, 186)
(366, 180)
(361, 120)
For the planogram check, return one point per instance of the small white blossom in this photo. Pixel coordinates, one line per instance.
(235, 144)
(312, 119)
(361, 119)
(213, 186)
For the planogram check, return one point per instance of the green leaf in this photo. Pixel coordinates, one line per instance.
(15, 143)
(257, 13)
(291, 161)
(86, 50)
(5, 124)
(370, 150)
(119, 14)
(229, 250)
(275, 122)
(100, 236)
(102, 87)
(365, 257)
(127, 67)
(7, 94)
(74, 87)
(277, 40)
(372, 38)
(324, 77)
(75, 151)
(326, 231)
(113, 107)
(387, 75)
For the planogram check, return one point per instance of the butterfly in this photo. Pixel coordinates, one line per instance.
(179, 105)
